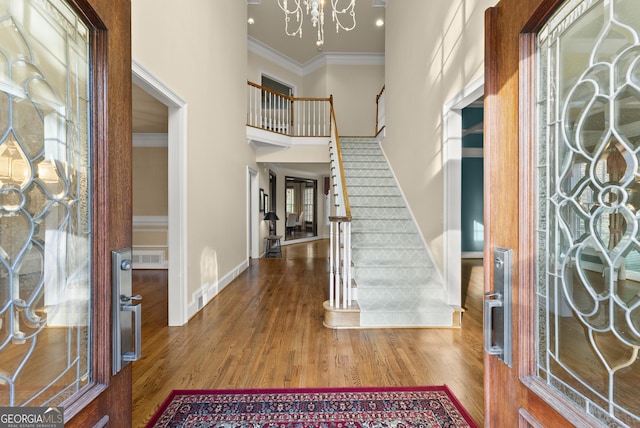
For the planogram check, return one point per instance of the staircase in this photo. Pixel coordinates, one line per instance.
(397, 284)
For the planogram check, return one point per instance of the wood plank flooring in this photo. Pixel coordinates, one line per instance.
(264, 330)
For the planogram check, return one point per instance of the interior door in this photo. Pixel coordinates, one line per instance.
(562, 138)
(65, 204)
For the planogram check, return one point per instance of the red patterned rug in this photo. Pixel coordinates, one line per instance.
(427, 407)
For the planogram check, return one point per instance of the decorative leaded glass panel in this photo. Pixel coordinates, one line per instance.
(588, 201)
(45, 210)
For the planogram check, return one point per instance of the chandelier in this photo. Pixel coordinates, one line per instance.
(315, 9)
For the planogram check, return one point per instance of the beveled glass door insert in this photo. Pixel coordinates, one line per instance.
(45, 208)
(588, 186)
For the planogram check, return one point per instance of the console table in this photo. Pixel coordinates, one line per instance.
(273, 246)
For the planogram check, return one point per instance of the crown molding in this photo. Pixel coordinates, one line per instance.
(338, 58)
(322, 60)
(267, 52)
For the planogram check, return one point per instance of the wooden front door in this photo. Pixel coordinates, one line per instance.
(562, 133)
(65, 204)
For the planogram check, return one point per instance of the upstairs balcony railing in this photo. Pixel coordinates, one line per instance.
(313, 117)
(287, 115)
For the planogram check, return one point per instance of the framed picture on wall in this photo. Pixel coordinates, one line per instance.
(261, 201)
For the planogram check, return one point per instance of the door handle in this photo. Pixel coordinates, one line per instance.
(127, 316)
(497, 308)
(491, 301)
(136, 353)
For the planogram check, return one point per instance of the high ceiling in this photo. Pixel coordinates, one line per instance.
(150, 116)
(269, 28)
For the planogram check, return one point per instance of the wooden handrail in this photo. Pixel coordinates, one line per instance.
(347, 208)
(380, 93)
(255, 85)
(289, 97)
(378, 108)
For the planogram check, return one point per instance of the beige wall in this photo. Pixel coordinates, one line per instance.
(354, 90)
(150, 175)
(200, 52)
(150, 200)
(432, 54)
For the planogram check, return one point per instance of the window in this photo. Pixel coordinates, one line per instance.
(308, 204)
(275, 86)
(291, 197)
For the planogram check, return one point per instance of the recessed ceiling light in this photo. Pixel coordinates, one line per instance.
(379, 23)
(251, 21)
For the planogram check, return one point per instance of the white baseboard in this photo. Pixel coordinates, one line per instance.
(206, 292)
(472, 254)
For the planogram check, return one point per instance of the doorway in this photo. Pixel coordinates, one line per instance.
(176, 190)
(300, 208)
(472, 176)
(452, 163)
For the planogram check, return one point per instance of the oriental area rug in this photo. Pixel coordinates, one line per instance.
(426, 407)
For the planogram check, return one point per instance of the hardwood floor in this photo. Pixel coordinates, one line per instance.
(264, 330)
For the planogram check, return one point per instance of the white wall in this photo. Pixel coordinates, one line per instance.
(200, 52)
(432, 54)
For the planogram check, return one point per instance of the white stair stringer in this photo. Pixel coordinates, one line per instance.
(396, 279)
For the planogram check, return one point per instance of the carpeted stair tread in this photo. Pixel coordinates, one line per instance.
(396, 265)
(373, 191)
(380, 213)
(385, 239)
(369, 181)
(401, 257)
(370, 173)
(376, 283)
(387, 246)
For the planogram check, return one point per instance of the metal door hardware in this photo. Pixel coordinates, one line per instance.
(497, 308)
(127, 316)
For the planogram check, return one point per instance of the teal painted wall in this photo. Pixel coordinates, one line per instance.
(472, 216)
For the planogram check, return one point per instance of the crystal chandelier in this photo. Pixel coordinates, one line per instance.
(315, 9)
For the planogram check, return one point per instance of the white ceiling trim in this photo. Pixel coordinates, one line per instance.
(257, 47)
(350, 58)
(322, 60)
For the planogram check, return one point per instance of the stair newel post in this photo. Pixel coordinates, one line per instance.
(347, 260)
(338, 264)
(331, 265)
(344, 264)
